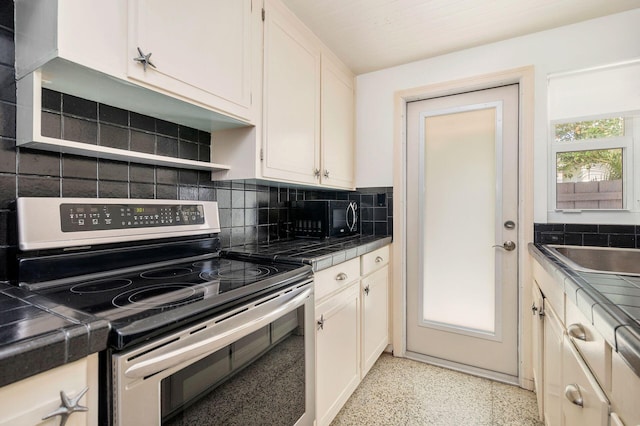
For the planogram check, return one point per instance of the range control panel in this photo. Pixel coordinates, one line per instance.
(94, 217)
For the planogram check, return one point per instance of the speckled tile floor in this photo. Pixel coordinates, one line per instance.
(399, 391)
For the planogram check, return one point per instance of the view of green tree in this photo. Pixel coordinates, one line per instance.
(594, 129)
(570, 163)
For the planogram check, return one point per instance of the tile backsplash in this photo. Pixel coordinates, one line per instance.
(249, 212)
(626, 236)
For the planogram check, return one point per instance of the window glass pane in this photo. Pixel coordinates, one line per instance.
(594, 129)
(589, 179)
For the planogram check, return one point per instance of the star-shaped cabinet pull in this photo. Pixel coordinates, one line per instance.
(144, 59)
(68, 407)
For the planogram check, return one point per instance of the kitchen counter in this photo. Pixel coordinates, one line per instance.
(611, 302)
(320, 254)
(36, 335)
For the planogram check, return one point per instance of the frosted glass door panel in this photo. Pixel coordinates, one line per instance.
(459, 178)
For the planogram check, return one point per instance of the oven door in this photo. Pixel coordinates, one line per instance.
(253, 365)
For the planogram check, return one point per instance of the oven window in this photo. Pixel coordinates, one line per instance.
(259, 379)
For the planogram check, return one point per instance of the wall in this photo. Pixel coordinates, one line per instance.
(596, 42)
(249, 213)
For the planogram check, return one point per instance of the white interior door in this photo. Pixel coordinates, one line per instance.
(462, 211)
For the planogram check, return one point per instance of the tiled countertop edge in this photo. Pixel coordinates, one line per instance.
(50, 349)
(617, 328)
(340, 256)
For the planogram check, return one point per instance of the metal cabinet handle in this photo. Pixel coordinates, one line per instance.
(67, 407)
(326, 173)
(144, 59)
(534, 309)
(367, 290)
(379, 259)
(577, 332)
(341, 276)
(572, 392)
(316, 173)
(321, 322)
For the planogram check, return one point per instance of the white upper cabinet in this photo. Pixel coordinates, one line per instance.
(200, 50)
(337, 141)
(91, 33)
(291, 115)
(207, 56)
(307, 132)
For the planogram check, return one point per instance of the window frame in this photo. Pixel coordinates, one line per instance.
(630, 211)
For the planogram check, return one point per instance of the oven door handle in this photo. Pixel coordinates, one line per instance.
(261, 316)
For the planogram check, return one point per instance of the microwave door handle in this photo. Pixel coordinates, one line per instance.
(259, 319)
(351, 211)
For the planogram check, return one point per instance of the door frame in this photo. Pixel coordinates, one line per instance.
(523, 76)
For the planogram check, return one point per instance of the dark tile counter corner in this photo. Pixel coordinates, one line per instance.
(613, 320)
(34, 339)
(320, 254)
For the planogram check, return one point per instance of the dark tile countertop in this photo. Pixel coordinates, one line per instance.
(611, 302)
(36, 335)
(320, 254)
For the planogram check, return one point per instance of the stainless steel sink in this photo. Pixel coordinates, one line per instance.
(604, 260)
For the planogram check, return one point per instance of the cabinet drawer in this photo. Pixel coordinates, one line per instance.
(583, 402)
(337, 277)
(595, 351)
(625, 386)
(374, 260)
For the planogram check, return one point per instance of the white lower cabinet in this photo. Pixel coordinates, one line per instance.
(584, 381)
(31, 401)
(552, 368)
(375, 306)
(625, 393)
(352, 315)
(375, 314)
(583, 401)
(337, 351)
(537, 333)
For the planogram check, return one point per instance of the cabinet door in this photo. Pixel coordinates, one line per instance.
(291, 99)
(337, 352)
(202, 50)
(583, 402)
(552, 370)
(337, 125)
(26, 402)
(375, 317)
(538, 345)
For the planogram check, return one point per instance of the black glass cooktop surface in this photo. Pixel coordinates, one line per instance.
(144, 302)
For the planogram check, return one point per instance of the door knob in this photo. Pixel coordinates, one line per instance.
(508, 245)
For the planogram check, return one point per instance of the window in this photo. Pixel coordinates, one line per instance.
(594, 147)
(590, 178)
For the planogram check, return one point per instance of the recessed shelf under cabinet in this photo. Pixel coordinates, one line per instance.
(100, 88)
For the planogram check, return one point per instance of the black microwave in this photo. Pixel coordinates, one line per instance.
(324, 218)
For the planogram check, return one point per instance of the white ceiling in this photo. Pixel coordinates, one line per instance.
(369, 35)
